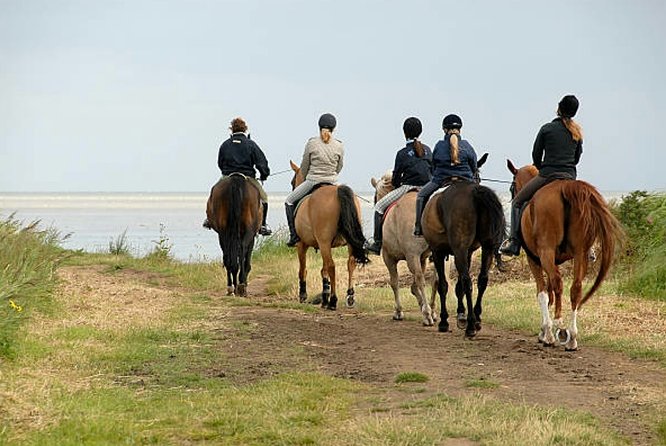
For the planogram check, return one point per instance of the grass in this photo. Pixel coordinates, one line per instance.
(481, 383)
(411, 377)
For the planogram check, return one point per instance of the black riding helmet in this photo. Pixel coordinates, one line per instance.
(412, 128)
(451, 122)
(568, 106)
(327, 121)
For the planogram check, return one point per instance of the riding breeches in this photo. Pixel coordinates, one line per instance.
(429, 189)
(392, 197)
(301, 191)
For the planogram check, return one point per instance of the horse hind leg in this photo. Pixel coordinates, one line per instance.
(544, 300)
(328, 298)
(570, 341)
(418, 290)
(466, 281)
(442, 289)
(302, 273)
(230, 284)
(487, 255)
(351, 268)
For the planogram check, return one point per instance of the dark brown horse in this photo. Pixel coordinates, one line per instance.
(234, 211)
(328, 218)
(562, 222)
(463, 218)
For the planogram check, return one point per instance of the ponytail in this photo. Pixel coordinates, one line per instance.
(454, 135)
(325, 135)
(574, 128)
(418, 148)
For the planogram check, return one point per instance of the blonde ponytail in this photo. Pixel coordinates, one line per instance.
(453, 143)
(325, 135)
(574, 128)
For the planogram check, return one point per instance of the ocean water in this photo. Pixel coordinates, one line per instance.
(93, 220)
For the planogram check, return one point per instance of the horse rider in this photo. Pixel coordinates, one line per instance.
(557, 150)
(412, 169)
(322, 162)
(240, 154)
(453, 158)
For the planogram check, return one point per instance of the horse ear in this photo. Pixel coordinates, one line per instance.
(373, 182)
(481, 161)
(511, 167)
(294, 167)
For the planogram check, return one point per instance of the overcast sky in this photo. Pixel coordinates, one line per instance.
(137, 95)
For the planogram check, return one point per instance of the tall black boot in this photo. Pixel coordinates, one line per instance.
(376, 246)
(265, 229)
(293, 237)
(512, 245)
(420, 204)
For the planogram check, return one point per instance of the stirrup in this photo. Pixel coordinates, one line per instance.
(206, 224)
(510, 247)
(265, 230)
(418, 232)
(374, 247)
(293, 240)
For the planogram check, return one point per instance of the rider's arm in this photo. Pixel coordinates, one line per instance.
(537, 150)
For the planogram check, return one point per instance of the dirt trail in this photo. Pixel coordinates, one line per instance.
(372, 348)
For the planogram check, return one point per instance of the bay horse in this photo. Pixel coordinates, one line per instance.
(562, 222)
(327, 218)
(457, 221)
(399, 243)
(234, 211)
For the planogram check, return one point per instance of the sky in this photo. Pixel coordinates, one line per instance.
(137, 95)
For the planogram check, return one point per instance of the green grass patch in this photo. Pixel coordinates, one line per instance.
(481, 383)
(411, 377)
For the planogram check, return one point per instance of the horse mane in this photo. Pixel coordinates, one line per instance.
(384, 185)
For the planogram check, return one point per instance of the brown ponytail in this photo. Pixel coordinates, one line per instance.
(325, 135)
(453, 143)
(574, 128)
(418, 148)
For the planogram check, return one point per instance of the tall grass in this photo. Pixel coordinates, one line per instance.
(643, 216)
(28, 259)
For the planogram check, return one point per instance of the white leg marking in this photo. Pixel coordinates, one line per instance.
(573, 331)
(546, 335)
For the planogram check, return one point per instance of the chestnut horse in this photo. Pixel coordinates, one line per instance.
(561, 222)
(327, 218)
(457, 221)
(234, 211)
(399, 243)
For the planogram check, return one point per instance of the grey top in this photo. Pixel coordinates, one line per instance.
(322, 162)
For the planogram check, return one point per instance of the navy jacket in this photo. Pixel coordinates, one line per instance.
(410, 169)
(240, 154)
(555, 150)
(441, 158)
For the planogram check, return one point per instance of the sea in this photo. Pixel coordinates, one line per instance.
(91, 221)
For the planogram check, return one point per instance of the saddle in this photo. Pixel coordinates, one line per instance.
(390, 206)
(317, 186)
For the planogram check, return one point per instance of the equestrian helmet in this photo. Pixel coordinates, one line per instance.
(568, 106)
(412, 128)
(451, 122)
(327, 121)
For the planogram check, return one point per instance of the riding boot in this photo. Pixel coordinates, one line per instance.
(206, 224)
(264, 229)
(420, 204)
(376, 246)
(293, 237)
(512, 245)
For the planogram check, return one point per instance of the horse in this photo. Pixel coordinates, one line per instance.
(327, 218)
(234, 211)
(562, 222)
(400, 244)
(457, 221)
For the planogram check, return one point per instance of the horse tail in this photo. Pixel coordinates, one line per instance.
(598, 223)
(487, 202)
(231, 238)
(349, 224)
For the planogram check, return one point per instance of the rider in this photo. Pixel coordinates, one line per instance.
(322, 162)
(240, 154)
(453, 157)
(413, 169)
(556, 153)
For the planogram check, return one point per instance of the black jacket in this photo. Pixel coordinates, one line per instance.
(555, 150)
(240, 154)
(410, 169)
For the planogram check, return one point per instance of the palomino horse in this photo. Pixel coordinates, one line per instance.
(562, 222)
(400, 244)
(234, 211)
(457, 221)
(328, 218)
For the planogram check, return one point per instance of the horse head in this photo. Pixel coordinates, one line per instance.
(521, 176)
(382, 186)
(298, 176)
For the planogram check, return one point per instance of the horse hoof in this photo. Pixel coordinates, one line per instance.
(563, 336)
(350, 301)
(242, 290)
(316, 300)
(230, 291)
(398, 316)
(567, 349)
(333, 303)
(302, 298)
(461, 321)
(477, 326)
(443, 328)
